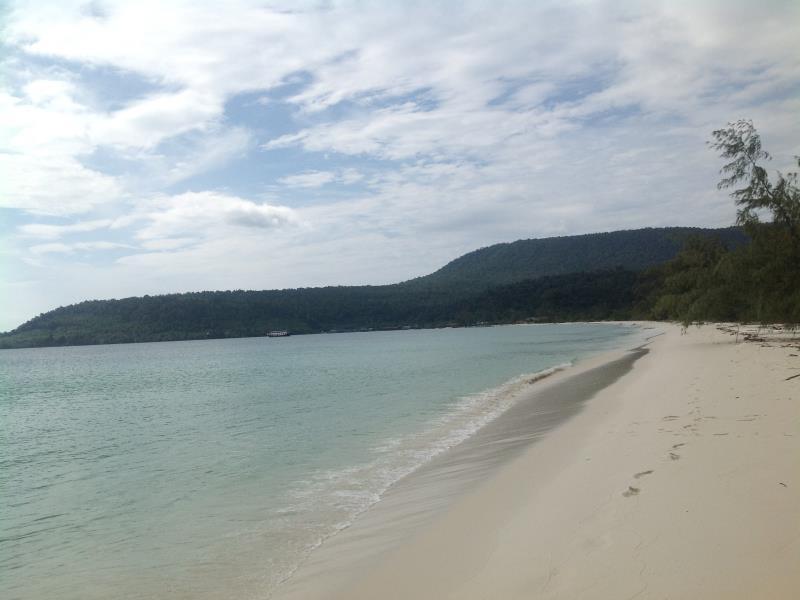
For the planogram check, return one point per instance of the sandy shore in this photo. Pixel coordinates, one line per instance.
(679, 480)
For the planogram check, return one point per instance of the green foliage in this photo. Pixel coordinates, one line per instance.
(572, 297)
(756, 282)
(696, 284)
(530, 259)
(741, 143)
(569, 278)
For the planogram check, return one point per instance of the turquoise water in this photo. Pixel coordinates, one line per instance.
(210, 469)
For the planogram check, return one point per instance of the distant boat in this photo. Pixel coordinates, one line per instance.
(277, 333)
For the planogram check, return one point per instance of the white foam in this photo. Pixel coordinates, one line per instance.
(346, 493)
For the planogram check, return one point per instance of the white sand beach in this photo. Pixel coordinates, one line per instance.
(679, 480)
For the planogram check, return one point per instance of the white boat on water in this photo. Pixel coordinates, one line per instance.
(277, 333)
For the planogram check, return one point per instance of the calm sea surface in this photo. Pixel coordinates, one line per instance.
(209, 469)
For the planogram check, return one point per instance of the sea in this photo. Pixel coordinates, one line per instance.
(214, 468)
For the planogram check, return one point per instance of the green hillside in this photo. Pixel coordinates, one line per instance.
(634, 250)
(577, 277)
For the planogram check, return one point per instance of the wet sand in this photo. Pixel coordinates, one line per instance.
(420, 498)
(680, 479)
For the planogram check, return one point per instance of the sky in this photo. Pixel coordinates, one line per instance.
(155, 147)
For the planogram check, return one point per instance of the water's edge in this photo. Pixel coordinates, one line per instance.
(418, 497)
(218, 468)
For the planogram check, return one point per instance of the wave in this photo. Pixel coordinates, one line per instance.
(339, 496)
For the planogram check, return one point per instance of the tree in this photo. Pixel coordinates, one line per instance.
(772, 261)
(697, 284)
(759, 281)
(741, 143)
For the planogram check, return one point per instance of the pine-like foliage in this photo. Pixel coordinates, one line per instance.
(756, 282)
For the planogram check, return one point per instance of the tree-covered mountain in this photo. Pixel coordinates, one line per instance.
(635, 250)
(565, 278)
(745, 273)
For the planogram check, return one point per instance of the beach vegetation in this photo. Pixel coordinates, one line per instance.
(755, 282)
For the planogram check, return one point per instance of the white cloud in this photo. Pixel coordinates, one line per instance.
(42, 132)
(315, 179)
(166, 243)
(216, 148)
(350, 176)
(210, 214)
(146, 123)
(309, 179)
(51, 93)
(467, 127)
(43, 230)
(655, 57)
(53, 186)
(61, 248)
(55, 247)
(202, 51)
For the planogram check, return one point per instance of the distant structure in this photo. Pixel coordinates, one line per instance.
(277, 334)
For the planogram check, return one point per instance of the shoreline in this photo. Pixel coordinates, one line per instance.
(419, 498)
(679, 479)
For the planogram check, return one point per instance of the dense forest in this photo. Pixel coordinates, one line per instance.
(592, 276)
(749, 273)
(635, 250)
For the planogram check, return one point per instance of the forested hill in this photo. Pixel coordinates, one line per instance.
(579, 277)
(634, 250)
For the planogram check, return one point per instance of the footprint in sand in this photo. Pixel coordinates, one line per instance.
(749, 417)
(631, 491)
(674, 456)
(670, 418)
(642, 474)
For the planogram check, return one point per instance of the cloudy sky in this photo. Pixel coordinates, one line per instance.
(161, 146)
